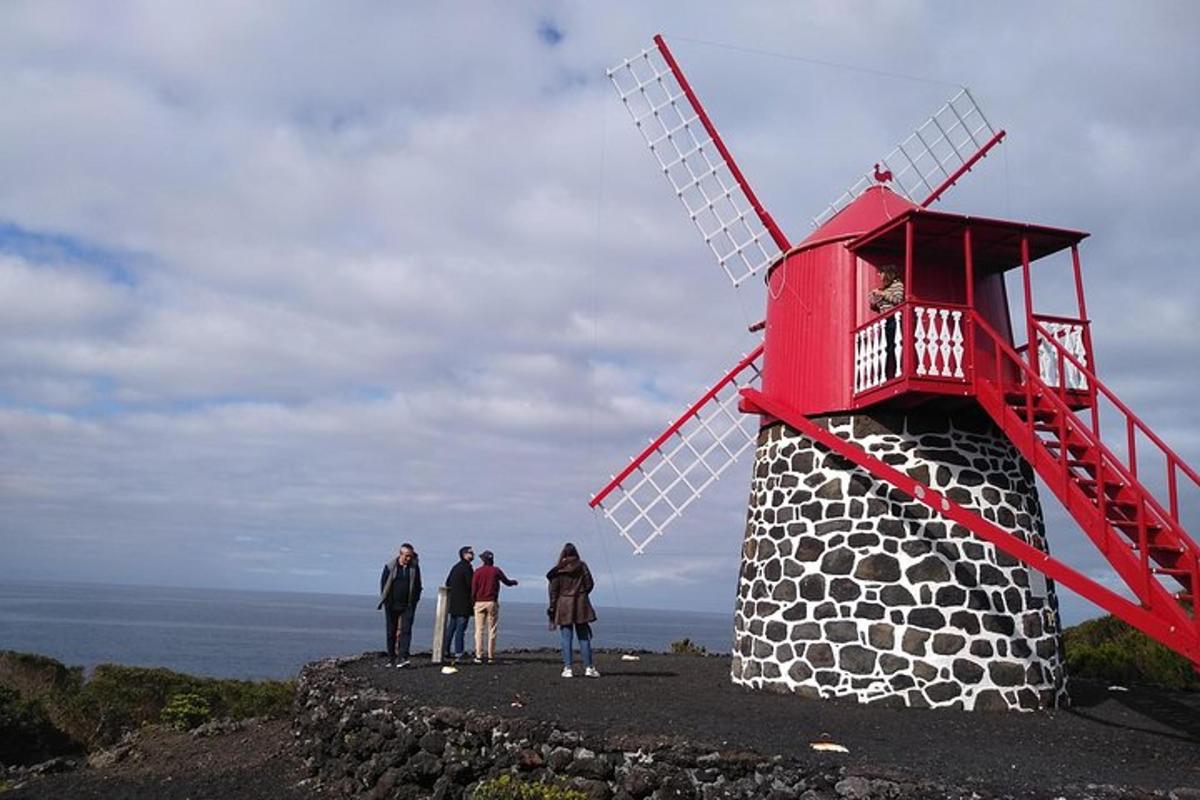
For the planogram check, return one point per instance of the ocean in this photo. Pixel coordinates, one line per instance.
(244, 634)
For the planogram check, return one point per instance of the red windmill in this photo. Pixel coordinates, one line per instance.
(829, 360)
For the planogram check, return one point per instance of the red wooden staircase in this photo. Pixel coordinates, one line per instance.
(1143, 540)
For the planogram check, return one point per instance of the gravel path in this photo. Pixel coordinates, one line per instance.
(1143, 738)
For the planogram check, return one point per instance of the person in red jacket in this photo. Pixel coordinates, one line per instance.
(485, 591)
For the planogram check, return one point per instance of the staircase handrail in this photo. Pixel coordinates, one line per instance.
(1171, 456)
(1071, 419)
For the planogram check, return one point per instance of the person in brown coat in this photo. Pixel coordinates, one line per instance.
(571, 610)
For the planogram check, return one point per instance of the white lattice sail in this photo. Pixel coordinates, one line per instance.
(653, 491)
(929, 155)
(704, 180)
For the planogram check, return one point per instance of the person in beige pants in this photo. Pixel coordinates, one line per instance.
(485, 591)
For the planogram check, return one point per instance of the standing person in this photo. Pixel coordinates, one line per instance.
(485, 590)
(571, 610)
(399, 592)
(459, 613)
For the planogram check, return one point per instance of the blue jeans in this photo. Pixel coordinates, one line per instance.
(584, 632)
(456, 629)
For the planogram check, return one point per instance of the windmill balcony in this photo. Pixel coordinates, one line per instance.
(915, 347)
(920, 349)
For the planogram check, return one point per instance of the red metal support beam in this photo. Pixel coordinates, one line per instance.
(781, 241)
(963, 170)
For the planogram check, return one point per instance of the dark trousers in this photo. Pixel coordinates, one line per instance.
(456, 633)
(399, 629)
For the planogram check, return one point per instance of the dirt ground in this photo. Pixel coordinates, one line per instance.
(1143, 738)
(255, 762)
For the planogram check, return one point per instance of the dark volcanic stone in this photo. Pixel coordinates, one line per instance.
(896, 596)
(878, 567)
(841, 631)
(950, 597)
(838, 562)
(869, 611)
(785, 591)
(967, 671)
(930, 569)
(929, 618)
(943, 691)
(812, 587)
(882, 636)
(799, 672)
(948, 643)
(843, 589)
(830, 490)
(914, 641)
(1006, 673)
(856, 660)
(806, 631)
(809, 548)
(819, 655)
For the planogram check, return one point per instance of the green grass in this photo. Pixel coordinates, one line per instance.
(507, 787)
(1109, 650)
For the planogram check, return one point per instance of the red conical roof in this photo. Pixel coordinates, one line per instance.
(872, 208)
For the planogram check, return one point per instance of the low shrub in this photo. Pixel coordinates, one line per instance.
(507, 787)
(1109, 650)
(686, 647)
(185, 711)
(116, 699)
(27, 735)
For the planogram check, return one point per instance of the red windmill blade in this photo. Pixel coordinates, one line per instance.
(931, 159)
(737, 229)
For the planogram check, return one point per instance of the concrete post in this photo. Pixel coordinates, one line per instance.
(439, 622)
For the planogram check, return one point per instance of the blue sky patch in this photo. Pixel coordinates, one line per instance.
(56, 248)
(549, 33)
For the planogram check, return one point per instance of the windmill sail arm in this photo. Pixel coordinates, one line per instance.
(931, 159)
(768, 221)
(690, 153)
(963, 170)
(678, 465)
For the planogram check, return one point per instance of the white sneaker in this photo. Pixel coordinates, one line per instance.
(591, 672)
(568, 672)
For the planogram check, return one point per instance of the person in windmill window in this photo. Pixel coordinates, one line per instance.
(571, 608)
(399, 592)
(460, 610)
(889, 295)
(485, 591)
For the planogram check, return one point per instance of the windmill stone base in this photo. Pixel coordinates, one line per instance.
(849, 588)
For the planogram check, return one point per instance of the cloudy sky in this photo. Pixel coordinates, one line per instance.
(282, 285)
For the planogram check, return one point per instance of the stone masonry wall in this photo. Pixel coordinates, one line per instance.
(850, 588)
(364, 742)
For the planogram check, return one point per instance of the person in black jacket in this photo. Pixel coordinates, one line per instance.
(399, 592)
(461, 607)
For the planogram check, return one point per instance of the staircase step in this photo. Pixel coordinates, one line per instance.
(1042, 414)
(1109, 485)
(1074, 448)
